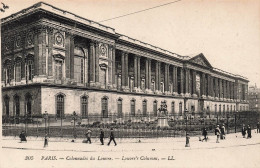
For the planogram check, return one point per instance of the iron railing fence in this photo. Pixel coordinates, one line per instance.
(128, 126)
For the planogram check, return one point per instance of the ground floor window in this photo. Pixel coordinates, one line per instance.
(60, 106)
(104, 107)
(144, 108)
(133, 108)
(84, 107)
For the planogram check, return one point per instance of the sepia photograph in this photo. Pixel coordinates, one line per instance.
(130, 83)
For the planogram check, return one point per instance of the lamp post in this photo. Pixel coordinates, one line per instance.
(45, 116)
(236, 122)
(74, 117)
(187, 137)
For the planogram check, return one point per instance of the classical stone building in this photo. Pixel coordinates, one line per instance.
(55, 61)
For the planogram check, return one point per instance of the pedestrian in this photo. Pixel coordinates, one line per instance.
(258, 127)
(102, 136)
(112, 137)
(45, 141)
(243, 130)
(249, 132)
(187, 140)
(204, 133)
(222, 132)
(22, 137)
(217, 132)
(88, 135)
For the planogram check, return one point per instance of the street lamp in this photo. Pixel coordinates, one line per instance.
(187, 137)
(45, 116)
(74, 117)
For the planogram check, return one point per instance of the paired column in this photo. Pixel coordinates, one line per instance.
(113, 67)
(187, 81)
(92, 63)
(175, 84)
(97, 62)
(181, 80)
(220, 89)
(124, 66)
(148, 73)
(193, 82)
(203, 85)
(166, 77)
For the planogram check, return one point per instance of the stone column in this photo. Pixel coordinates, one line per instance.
(135, 72)
(149, 75)
(220, 89)
(113, 67)
(166, 75)
(159, 76)
(126, 72)
(92, 63)
(182, 81)
(213, 87)
(123, 70)
(146, 73)
(216, 88)
(175, 84)
(187, 82)
(194, 83)
(138, 73)
(97, 63)
(156, 76)
(224, 89)
(203, 85)
(209, 84)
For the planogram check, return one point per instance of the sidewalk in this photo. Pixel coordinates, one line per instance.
(125, 145)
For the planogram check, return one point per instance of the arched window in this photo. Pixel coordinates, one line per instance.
(29, 68)
(6, 105)
(133, 107)
(84, 107)
(180, 108)
(155, 108)
(79, 64)
(144, 108)
(104, 107)
(17, 105)
(7, 71)
(119, 108)
(28, 104)
(60, 106)
(173, 108)
(18, 68)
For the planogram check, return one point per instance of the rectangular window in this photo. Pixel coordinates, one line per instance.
(104, 108)
(58, 70)
(133, 108)
(144, 108)
(155, 108)
(180, 109)
(173, 108)
(119, 108)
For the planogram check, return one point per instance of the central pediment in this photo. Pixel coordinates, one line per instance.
(200, 60)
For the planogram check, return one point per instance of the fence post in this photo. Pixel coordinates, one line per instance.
(227, 123)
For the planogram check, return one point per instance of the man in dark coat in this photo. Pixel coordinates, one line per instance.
(102, 136)
(22, 137)
(249, 132)
(204, 133)
(243, 131)
(112, 137)
(217, 132)
(258, 127)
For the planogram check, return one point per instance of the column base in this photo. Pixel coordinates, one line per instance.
(187, 95)
(92, 84)
(148, 91)
(126, 88)
(194, 95)
(175, 94)
(158, 92)
(204, 96)
(181, 94)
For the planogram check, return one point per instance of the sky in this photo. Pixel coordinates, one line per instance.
(227, 32)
